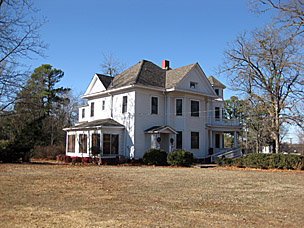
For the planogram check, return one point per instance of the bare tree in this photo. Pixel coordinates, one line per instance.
(268, 66)
(290, 13)
(19, 38)
(111, 66)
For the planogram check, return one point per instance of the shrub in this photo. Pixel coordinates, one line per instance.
(266, 161)
(223, 161)
(180, 158)
(155, 157)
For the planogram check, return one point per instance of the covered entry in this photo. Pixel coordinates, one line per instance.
(160, 137)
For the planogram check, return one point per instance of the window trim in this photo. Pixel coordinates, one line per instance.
(110, 144)
(181, 142)
(71, 143)
(193, 85)
(198, 139)
(157, 105)
(83, 141)
(182, 113)
(92, 109)
(103, 105)
(83, 113)
(193, 114)
(124, 104)
(217, 110)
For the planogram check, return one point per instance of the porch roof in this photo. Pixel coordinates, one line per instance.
(161, 129)
(96, 124)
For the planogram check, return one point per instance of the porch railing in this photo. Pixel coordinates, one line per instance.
(223, 122)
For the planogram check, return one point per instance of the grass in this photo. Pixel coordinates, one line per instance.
(36, 195)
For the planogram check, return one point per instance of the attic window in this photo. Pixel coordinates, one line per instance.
(217, 91)
(193, 85)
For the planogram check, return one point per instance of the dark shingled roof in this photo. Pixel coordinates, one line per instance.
(143, 73)
(105, 79)
(147, 73)
(98, 123)
(214, 82)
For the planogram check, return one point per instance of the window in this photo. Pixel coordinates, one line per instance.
(194, 108)
(124, 104)
(110, 144)
(82, 143)
(103, 105)
(95, 144)
(154, 105)
(193, 85)
(71, 143)
(92, 109)
(217, 140)
(217, 91)
(217, 113)
(83, 113)
(179, 107)
(179, 140)
(194, 140)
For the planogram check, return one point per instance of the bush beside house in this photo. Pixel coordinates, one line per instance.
(180, 158)
(155, 157)
(265, 161)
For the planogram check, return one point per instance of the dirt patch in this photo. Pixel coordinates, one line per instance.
(140, 196)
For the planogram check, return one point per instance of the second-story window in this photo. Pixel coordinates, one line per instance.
(194, 108)
(103, 105)
(124, 104)
(92, 109)
(154, 105)
(83, 113)
(217, 113)
(179, 107)
(217, 91)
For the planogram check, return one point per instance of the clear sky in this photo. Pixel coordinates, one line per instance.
(181, 31)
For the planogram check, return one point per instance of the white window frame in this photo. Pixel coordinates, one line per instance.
(157, 105)
(194, 86)
(178, 98)
(199, 104)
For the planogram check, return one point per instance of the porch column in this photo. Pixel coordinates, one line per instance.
(235, 139)
(210, 139)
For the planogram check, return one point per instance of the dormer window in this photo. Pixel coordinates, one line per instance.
(217, 91)
(193, 85)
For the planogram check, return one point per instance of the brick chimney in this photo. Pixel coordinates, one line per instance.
(165, 64)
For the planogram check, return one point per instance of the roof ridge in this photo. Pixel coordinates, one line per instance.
(139, 71)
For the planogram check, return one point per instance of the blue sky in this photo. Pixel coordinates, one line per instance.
(183, 32)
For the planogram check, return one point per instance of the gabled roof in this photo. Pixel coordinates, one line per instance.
(103, 123)
(105, 79)
(214, 82)
(146, 73)
(160, 129)
(176, 75)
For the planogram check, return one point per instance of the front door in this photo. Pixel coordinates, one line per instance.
(164, 143)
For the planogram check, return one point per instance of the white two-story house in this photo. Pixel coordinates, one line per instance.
(148, 106)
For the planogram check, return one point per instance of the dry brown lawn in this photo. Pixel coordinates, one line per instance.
(35, 195)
